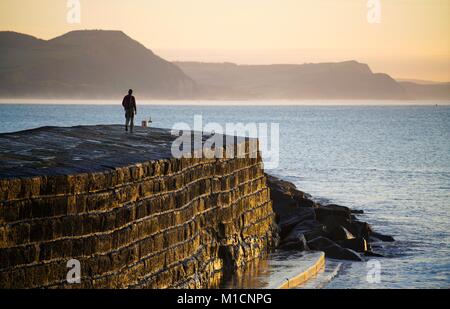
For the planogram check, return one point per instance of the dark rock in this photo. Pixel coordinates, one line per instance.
(333, 250)
(288, 221)
(305, 202)
(335, 219)
(280, 185)
(386, 238)
(299, 244)
(359, 228)
(314, 234)
(357, 211)
(340, 233)
(288, 202)
(309, 229)
(320, 243)
(356, 244)
(337, 252)
(332, 222)
(301, 219)
(322, 212)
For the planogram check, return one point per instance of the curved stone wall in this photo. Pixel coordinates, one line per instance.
(158, 224)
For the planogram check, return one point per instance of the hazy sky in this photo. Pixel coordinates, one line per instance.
(411, 41)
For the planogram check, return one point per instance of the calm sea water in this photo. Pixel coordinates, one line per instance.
(391, 161)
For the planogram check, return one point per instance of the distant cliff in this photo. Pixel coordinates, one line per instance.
(345, 80)
(342, 80)
(86, 64)
(437, 91)
(97, 64)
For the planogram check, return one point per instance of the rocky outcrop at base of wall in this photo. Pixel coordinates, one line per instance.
(166, 223)
(305, 224)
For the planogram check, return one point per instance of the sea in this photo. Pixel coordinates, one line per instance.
(390, 159)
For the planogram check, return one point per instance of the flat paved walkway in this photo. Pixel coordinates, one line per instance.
(67, 151)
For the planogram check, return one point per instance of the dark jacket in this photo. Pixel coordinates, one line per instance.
(129, 103)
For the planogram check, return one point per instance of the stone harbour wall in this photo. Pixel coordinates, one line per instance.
(170, 223)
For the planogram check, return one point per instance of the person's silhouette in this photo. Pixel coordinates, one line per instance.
(129, 104)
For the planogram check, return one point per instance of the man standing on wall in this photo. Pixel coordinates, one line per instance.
(129, 104)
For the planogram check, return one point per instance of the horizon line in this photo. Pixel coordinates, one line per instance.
(221, 103)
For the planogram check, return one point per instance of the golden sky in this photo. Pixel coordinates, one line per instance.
(411, 41)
